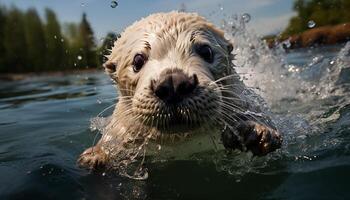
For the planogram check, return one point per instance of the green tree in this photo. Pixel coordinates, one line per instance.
(87, 44)
(71, 30)
(2, 30)
(322, 12)
(26, 44)
(55, 42)
(35, 41)
(15, 42)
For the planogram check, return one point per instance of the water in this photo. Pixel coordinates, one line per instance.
(45, 125)
(114, 4)
(311, 24)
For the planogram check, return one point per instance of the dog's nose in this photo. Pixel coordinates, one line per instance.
(173, 87)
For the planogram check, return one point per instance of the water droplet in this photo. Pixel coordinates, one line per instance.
(332, 62)
(221, 7)
(315, 59)
(302, 137)
(75, 64)
(235, 17)
(291, 68)
(286, 44)
(159, 147)
(62, 40)
(114, 4)
(80, 57)
(55, 36)
(104, 174)
(311, 24)
(246, 17)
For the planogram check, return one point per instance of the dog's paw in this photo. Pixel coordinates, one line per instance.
(259, 139)
(92, 158)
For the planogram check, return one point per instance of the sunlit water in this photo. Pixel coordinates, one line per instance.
(45, 124)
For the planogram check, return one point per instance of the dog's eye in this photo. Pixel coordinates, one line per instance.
(205, 52)
(139, 61)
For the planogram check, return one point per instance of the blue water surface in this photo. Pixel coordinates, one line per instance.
(45, 125)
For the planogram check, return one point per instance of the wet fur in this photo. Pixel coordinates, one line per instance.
(218, 104)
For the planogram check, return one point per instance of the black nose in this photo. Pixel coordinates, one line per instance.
(174, 86)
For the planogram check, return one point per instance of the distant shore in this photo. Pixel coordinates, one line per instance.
(22, 76)
(325, 35)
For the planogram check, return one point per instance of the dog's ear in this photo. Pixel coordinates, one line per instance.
(229, 47)
(110, 67)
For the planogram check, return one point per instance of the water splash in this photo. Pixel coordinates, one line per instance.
(288, 88)
(285, 87)
(246, 17)
(311, 24)
(261, 68)
(114, 4)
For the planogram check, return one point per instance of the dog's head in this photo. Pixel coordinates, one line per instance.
(168, 68)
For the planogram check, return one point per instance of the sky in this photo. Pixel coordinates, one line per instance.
(267, 16)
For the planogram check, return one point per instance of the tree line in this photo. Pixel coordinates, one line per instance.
(318, 12)
(30, 44)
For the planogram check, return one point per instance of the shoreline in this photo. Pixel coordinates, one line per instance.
(320, 36)
(22, 76)
(324, 35)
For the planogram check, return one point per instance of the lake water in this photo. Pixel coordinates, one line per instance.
(45, 125)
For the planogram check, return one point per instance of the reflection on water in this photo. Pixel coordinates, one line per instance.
(44, 126)
(39, 89)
